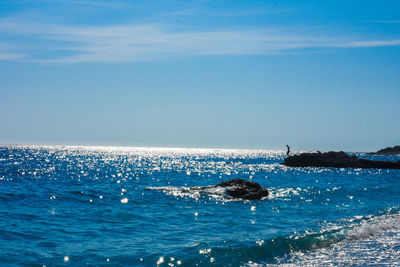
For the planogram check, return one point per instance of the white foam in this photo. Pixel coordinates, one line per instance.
(284, 192)
(368, 240)
(177, 191)
(375, 226)
(216, 193)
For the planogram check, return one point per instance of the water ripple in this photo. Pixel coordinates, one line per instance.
(93, 206)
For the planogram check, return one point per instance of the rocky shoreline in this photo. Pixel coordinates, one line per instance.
(336, 160)
(387, 151)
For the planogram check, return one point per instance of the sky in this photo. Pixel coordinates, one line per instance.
(317, 75)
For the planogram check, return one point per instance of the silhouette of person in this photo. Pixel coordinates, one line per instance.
(288, 150)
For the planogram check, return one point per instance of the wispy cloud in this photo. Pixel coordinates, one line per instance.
(96, 3)
(10, 56)
(371, 43)
(127, 43)
(112, 4)
(196, 11)
(7, 54)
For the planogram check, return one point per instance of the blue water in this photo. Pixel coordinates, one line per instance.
(99, 206)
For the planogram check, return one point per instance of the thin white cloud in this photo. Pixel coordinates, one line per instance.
(7, 54)
(196, 11)
(112, 4)
(95, 3)
(127, 43)
(10, 56)
(371, 43)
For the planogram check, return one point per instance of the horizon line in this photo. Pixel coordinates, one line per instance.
(167, 147)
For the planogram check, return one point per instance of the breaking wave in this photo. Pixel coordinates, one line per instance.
(298, 247)
(215, 193)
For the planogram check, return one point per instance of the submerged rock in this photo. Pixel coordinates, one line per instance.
(336, 160)
(387, 151)
(240, 188)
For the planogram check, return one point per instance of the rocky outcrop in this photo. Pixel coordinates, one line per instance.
(336, 160)
(240, 188)
(387, 151)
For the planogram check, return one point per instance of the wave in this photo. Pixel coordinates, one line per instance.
(275, 250)
(220, 193)
(216, 193)
(374, 240)
(373, 226)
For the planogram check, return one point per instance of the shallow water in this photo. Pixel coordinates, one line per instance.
(133, 206)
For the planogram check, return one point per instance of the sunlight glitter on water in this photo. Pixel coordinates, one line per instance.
(55, 189)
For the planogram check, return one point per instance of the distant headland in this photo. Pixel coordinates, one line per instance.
(336, 160)
(387, 151)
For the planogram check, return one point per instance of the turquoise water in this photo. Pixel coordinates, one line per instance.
(110, 206)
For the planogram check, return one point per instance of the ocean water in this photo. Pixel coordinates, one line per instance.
(109, 206)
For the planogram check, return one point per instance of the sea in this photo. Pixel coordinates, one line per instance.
(134, 206)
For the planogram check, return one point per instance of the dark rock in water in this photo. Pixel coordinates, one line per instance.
(336, 160)
(240, 188)
(387, 151)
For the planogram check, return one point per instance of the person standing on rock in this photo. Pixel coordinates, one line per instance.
(288, 150)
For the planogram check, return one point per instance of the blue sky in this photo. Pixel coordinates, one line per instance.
(317, 75)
